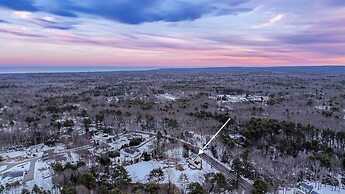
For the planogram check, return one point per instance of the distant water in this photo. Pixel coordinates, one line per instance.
(281, 69)
(7, 70)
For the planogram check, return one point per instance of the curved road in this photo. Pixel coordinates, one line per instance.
(245, 185)
(29, 176)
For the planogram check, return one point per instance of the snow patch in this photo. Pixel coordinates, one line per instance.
(166, 96)
(241, 98)
(139, 172)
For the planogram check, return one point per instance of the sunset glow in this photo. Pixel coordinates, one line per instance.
(165, 33)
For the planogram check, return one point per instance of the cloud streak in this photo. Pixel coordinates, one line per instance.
(21, 34)
(3, 21)
(273, 21)
(46, 22)
(161, 32)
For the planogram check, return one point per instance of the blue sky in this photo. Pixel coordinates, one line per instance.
(172, 32)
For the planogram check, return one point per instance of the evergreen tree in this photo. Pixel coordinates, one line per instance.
(237, 166)
(156, 175)
(24, 191)
(88, 180)
(260, 187)
(68, 189)
(152, 187)
(121, 175)
(195, 188)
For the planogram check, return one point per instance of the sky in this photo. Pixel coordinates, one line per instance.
(172, 33)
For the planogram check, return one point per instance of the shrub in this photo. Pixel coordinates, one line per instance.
(135, 141)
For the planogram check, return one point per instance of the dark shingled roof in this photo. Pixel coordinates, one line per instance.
(131, 150)
(308, 187)
(13, 174)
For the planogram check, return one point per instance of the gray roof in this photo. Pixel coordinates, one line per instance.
(314, 192)
(13, 174)
(308, 187)
(131, 150)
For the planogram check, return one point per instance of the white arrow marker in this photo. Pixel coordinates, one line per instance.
(201, 151)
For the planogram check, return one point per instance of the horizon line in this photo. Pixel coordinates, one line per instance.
(99, 69)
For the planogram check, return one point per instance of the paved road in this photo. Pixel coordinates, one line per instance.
(7, 166)
(228, 173)
(29, 176)
(86, 147)
(10, 165)
(244, 184)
